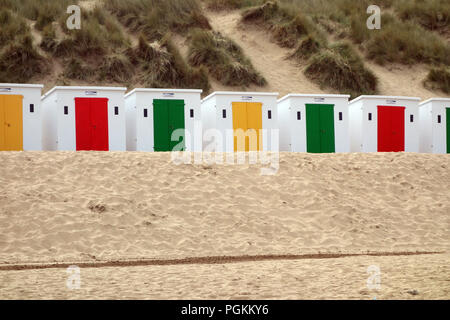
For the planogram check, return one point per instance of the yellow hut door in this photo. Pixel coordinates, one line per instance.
(11, 123)
(247, 125)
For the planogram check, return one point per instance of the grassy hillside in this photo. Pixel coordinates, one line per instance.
(102, 51)
(323, 33)
(130, 42)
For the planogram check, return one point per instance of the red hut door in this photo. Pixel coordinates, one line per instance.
(391, 129)
(91, 118)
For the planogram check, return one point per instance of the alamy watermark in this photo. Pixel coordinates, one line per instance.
(227, 147)
(373, 282)
(374, 20)
(73, 22)
(73, 281)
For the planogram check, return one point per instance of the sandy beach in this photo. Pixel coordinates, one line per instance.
(94, 207)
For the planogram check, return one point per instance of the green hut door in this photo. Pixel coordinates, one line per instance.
(320, 128)
(168, 116)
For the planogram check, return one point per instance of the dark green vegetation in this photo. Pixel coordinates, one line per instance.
(221, 58)
(224, 59)
(439, 78)
(339, 67)
(404, 36)
(311, 27)
(131, 42)
(154, 18)
(103, 49)
(334, 65)
(19, 59)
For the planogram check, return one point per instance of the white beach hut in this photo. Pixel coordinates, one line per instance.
(84, 118)
(20, 117)
(435, 125)
(314, 123)
(164, 120)
(240, 121)
(384, 124)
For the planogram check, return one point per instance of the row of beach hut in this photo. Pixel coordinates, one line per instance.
(106, 118)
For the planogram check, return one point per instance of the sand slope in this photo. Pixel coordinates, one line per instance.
(102, 206)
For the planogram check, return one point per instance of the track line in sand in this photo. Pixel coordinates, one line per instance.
(203, 260)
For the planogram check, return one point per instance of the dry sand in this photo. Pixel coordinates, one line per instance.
(96, 207)
(411, 277)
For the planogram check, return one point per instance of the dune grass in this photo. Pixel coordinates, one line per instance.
(12, 26)
(19, 59)
(100, 34)
(406, 43)
(403, 37)
(223, 58)
(20, 62)
(100, 51)
(155, 18)
(439, 79)
(307, 47)
(286, 23)
(33, 9)
(77, 69)
(335, 66)
(156, 59)
(49, 41)
(430, 14)
(159, 65)
(340, 68)
(231, 4)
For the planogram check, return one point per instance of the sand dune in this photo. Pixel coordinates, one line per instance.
(286, 76)
(94, 207)
(57, 207)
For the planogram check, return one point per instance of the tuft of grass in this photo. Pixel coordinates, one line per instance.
(49, 42)
(12, 27)
(439, 79)
(77, 69)
(307, 47)
(36, 9)
(286, 23)
(99, 35)
(116, 68)
(430, 14)
(340, 68)
(403, 37)
(100, 51)
(155, 18)
(406, 43)
(20, 62)
(223, 58)
(231, 4)
(161, 66)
